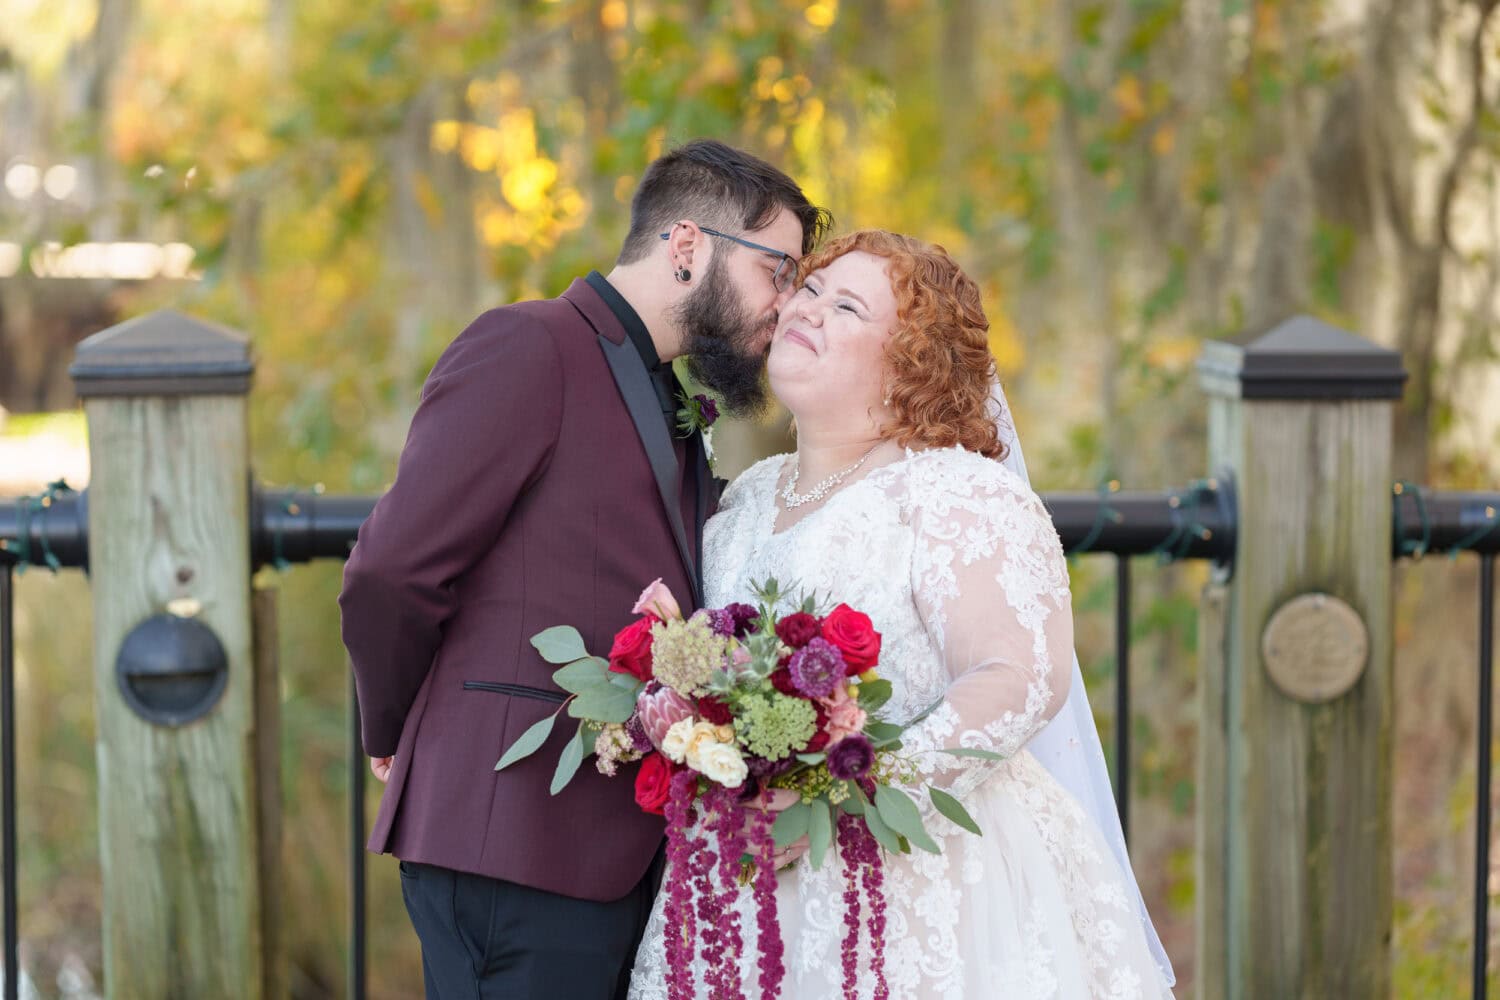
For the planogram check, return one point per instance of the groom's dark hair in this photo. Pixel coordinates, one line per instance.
(717, 186)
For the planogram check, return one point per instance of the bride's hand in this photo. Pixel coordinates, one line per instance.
(774, 800)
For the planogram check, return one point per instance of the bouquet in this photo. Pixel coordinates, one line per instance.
(722, 708)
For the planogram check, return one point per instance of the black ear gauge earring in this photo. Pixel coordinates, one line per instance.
(683, 275)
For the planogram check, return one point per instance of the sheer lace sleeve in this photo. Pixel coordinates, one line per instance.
(991, 585)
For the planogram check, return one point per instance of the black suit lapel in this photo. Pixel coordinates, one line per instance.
(703, 481)
(634, 383)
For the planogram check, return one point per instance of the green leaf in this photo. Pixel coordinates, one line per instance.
(530, 742)
(874, 694)
(603, 703)
(954, 810)
(567, 763)
(900, 813)
(626, 682)
(819, 832)
(791, 824)
(883, 732)
(972, 752)
(560, 644)
(581, 674)
(854, 805)
(882, 833)
(812, 758)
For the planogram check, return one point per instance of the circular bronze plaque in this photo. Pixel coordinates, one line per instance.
(1315, 647)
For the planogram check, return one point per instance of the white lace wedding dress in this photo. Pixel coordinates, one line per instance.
(958, 565)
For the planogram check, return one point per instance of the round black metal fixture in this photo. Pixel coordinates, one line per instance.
(172, 670)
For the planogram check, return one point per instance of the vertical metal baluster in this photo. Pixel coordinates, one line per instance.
(8, 773)
(1482, 793)
(1122, 691)
(356, 850)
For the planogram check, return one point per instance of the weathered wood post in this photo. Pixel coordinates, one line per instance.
(1296, 759)
(180, 808)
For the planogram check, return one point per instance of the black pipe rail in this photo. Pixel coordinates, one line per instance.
(288, 527)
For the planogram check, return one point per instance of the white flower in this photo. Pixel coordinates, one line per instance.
(679, 736)
(703, 734)
(721, 762)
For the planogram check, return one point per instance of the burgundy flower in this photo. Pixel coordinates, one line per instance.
(851, 757)
(636, 730)
(796, 629)
(714, 710)
(707, 409)
(744, 615)
(817, 668)
(781, 680)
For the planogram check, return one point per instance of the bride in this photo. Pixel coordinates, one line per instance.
(907, 499)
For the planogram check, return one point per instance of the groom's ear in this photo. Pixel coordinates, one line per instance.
(687, 246)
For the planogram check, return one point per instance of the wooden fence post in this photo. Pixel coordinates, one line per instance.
(181, 818)
(1295, 767)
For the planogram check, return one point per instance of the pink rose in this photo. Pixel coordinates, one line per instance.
(845, 717)
(657, 600)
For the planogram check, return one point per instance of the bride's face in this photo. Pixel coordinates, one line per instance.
(828, 353)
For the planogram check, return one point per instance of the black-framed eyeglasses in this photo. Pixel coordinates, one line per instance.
(786, 265)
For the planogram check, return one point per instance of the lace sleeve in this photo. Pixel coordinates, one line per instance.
(991, 584)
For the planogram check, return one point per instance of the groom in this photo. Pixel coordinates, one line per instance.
(544, 482)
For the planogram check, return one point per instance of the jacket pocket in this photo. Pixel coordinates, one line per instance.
(517, 691)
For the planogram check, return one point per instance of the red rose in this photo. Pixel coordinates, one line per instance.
(854, 635)
(796, 629)
(653, 784)
(631, 652)
(715, 711)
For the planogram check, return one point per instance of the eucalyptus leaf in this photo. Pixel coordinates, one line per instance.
(603, 702)
(883, 834)
(791, 824)
(580, 674)
(560, 644)
(954, 810)
(819, 832)
(568, 761)
(974, 752)
(854, 805)
(874, 694)
(530, 742)
(883, 732)
(812, 758)
(898, 810)
(627, 682)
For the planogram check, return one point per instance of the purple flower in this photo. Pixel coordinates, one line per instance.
(851, 757)
(636, 730)
(762, 768)
(708, 410)
(817, 668)
(721, 621)
(743, 615)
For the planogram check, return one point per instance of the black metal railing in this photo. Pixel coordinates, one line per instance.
(1425, 522)
(1198, 522)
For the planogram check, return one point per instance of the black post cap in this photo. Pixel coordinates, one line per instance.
(1302, 358)
(164, 353)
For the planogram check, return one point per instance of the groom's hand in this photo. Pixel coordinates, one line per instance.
(381, 767)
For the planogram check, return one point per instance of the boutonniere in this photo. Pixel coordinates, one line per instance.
(698, 413)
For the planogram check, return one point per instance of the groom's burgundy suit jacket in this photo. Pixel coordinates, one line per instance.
(540, 485)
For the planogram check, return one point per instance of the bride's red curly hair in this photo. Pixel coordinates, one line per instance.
(938, 362)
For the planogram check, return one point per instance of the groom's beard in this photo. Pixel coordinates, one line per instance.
(721, 341)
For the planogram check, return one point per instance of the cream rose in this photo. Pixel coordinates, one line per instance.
(721, 762)
(675, 743)
(703, 734)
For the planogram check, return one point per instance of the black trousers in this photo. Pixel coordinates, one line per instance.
(485, 939)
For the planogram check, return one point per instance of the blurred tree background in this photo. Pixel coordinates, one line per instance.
(359, 178)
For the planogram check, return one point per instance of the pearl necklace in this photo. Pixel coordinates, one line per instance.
(791, 499)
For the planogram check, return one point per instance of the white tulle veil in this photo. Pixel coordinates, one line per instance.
(1068, 746)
